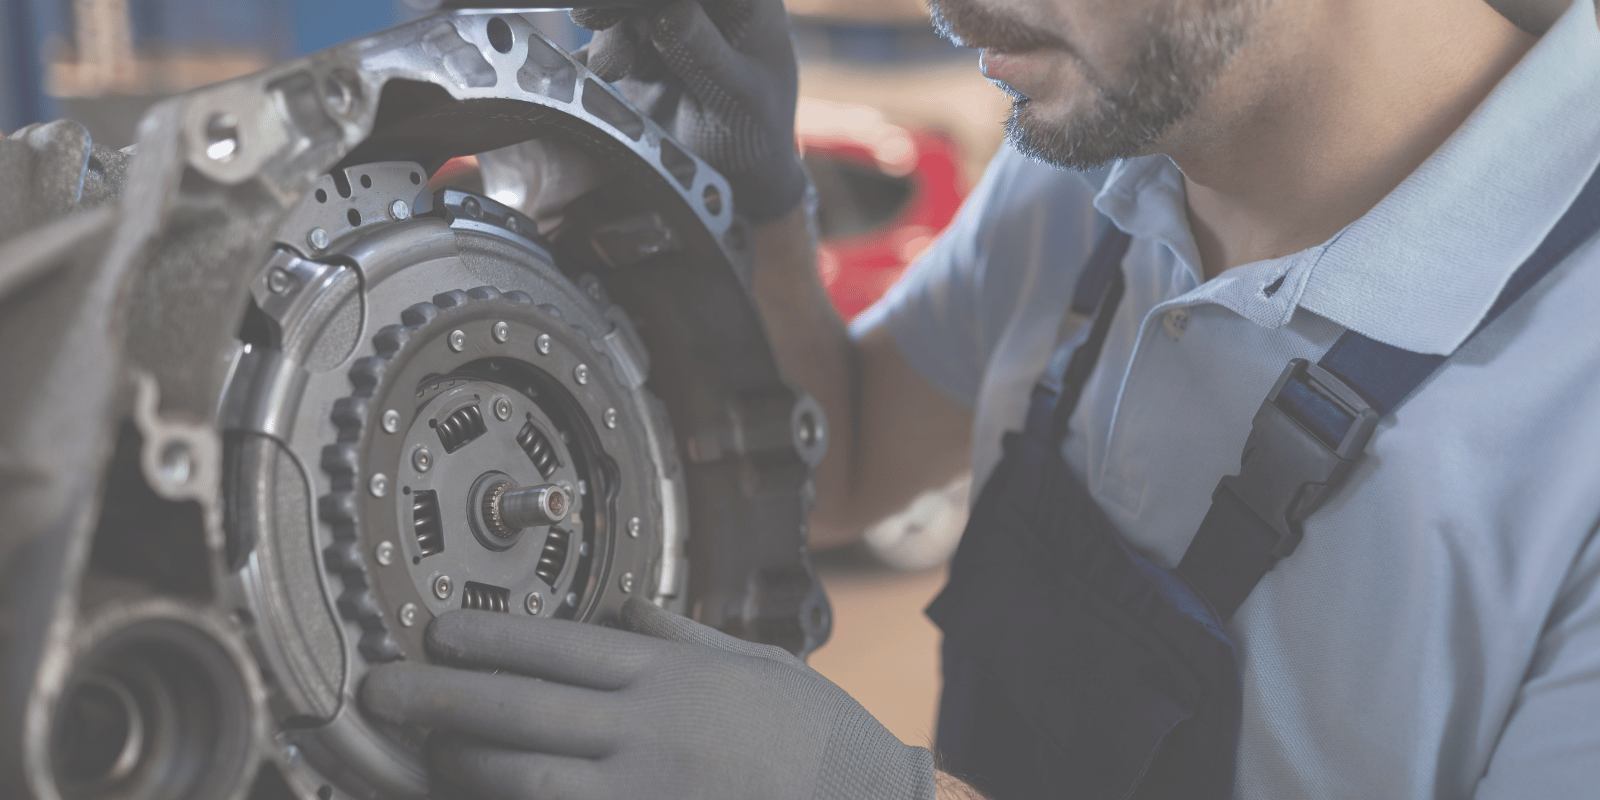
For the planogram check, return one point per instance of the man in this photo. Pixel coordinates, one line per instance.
(1256, 181)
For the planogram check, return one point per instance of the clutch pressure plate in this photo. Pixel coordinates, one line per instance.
(280, 392)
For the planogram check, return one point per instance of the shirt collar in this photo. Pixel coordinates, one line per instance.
(1421, 269)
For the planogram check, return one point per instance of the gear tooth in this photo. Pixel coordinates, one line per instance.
(344, 555)
(339, 509)
(380, 647)
(366, 373)
(419, 315)
(450, 299)
(340, 461)
(391, 339)
(358, 606)
(484, 293)
(518, 296)
(350, 416)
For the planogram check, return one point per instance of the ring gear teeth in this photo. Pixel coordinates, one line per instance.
(353, 418)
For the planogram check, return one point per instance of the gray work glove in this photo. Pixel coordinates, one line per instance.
(720, 76)
(666, 708)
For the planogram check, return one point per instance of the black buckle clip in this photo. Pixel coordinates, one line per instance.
(1287, 470)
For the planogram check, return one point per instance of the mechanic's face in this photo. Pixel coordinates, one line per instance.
(1096, 80)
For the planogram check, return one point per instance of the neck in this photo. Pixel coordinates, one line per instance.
(1358, 94)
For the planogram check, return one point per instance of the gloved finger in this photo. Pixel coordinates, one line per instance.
(512, 710)
(641, 616)
(493, 773)
(613, 52)
(554, 649)
(693, 47)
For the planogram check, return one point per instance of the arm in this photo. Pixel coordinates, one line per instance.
(894, 435)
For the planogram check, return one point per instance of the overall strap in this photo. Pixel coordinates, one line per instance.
(1314, 426)
(1096, 295)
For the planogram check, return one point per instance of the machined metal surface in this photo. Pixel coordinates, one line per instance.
(275, 403)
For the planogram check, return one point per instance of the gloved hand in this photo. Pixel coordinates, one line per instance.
(720, 76)
(666, 708)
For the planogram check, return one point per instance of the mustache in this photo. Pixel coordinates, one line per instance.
(966, 24)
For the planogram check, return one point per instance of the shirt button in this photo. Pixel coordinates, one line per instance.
(1175, 322)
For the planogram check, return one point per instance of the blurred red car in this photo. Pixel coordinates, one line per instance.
(883, 193)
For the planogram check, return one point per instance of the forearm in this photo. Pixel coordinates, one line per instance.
(816, 353)
(949, 787)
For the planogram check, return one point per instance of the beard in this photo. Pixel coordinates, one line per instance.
(1187, 45)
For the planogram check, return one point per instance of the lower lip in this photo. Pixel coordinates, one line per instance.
(1005, 67)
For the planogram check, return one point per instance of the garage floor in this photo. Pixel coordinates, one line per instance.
(884, 652)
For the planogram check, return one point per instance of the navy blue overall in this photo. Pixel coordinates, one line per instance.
(1073, 666)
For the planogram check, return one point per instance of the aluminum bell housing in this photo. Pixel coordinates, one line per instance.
(272, 402)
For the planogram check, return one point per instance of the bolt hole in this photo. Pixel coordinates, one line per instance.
(416, 180)
(366, 181)
(177, 463)
(322, 195)
(354, 216)
(817, 617)
(341, 183)
(500, 35)
(222, 137)
(713, 199)
(405, 490)
(808, 429)
(325, 792)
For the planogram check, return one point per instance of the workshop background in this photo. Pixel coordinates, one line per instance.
(895, 126)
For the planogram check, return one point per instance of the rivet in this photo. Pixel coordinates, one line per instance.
(534, 604)
(572, 599)
(580, 374)
(610, 417)
(442, 587)
(543, 343)
(384, 553)
(408, 614)
(458, 340)
(421, 459)
(317, 238)
(502, 332)
(583, 549)
(400, 210)
(502, 408)
(278, 280)
(391, 421)
(634, 526)
(626, 583)
(378, 485)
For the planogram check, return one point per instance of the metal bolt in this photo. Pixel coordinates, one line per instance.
(378, 485)
(471, 207)
(317, 238)
(384, 553)
(583, 549)
(442, 587)
(626, 583)
(458, 340)
(391, 421)
(534, 604)
(421, 459)
(278, 280)
(400, 210)
(502, 332)
(543, 343)
(502, 408)
(572, 599)
(610, 417)
(580, 374)
(408, 614)
(634, 526)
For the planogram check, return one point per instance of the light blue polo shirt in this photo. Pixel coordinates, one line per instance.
(1437, 633)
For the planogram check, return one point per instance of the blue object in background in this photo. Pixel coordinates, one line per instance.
(324, 23)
